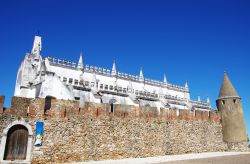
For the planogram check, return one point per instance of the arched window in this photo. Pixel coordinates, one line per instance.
(111, 102)
(47, 103)
(111, 108)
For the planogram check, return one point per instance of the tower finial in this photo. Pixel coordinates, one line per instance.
(165, 79)
(113, 72)
(80, 62)
(208, 100)
(186, 84)
(141, 77)
(199, 99)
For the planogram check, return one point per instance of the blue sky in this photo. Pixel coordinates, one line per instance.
(187, 40)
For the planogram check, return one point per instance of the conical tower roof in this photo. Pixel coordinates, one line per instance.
(227, 90)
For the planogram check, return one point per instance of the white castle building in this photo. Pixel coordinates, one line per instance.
(48, 77)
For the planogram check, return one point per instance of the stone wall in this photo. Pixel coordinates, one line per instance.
(93, 133)
(1, 103)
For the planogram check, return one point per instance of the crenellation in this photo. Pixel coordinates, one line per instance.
(95, 121)
(67, 108)
(2, 104)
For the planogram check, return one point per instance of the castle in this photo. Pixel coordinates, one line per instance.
(67, 112)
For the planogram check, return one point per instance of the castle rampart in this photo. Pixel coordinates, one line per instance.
(94, 132)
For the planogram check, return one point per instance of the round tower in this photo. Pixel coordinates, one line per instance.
(230, 107)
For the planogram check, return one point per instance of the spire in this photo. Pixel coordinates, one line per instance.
(165, 79)
(113, 73)
(208, 100)
(199, 99)
(186, 84)
(80, 62)
(227, 89)
(37, 45)
(141, 78)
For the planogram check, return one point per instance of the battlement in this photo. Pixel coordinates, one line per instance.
(114, 132)
(1, 103)
(53, 108)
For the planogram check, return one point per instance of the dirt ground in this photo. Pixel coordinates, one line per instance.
(234, 159)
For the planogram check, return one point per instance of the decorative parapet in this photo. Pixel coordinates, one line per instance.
(199, 104)
(62, 63)
(120, 75)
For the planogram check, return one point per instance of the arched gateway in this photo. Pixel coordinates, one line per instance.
(16, 142)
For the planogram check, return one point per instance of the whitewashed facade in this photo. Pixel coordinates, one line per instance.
(63, 79)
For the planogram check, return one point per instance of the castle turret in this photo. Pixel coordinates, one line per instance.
(230, 107)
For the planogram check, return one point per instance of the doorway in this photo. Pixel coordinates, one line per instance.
(16, 143)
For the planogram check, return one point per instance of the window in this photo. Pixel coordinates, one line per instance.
(81, 82)
(92, 84)
(119, 89)
(111, 108)
(136, 92)
(64, 79)
(70, 80)
(76, 82)
(234, 101)
(115, 88)
(106, 87)
(111, 87)
(47, 103)
(101, 86)
(223, 102)
(124, 90)
(77, 98)
(86, 83)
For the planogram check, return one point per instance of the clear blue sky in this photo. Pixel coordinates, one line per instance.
(187, 40)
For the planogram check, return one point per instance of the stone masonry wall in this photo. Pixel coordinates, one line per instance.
(1, 103)
(93, 133)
